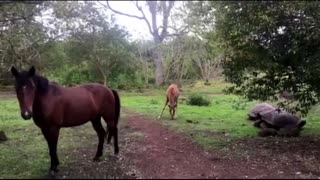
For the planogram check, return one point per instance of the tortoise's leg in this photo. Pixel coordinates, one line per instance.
(267, 132)
(301, 124)
(289, 132)
(257, 124)
(252, 118)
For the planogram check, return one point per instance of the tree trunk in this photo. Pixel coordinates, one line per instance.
(158, 60)
(146, 79)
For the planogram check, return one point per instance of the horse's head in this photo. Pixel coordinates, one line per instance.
(25, 90)
(172, 105)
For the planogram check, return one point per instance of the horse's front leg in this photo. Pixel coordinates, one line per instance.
(171, 113)
(51, 134)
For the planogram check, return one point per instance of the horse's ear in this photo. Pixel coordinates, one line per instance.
(32, 71)
(14, 71)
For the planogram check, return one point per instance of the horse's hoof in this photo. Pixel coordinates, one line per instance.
(116, 152)
(52, 174)
(96, 159)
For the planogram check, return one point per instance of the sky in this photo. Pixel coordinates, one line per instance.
(137, 28)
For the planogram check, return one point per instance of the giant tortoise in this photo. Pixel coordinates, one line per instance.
(259, 108)
(275, 121)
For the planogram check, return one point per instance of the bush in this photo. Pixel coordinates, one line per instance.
(198, 100)
(207, 83)
(126, 81)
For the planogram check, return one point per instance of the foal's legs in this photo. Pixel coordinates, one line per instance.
(171, 113)
(167, 100)
(51, 134)
(96, 123)
(175, 109)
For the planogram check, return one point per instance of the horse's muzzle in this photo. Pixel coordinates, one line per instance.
(26, 115)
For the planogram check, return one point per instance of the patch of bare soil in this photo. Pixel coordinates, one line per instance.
(166, 154)
(150, 150)
(7, 94)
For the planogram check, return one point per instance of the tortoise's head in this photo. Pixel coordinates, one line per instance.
(301, 124)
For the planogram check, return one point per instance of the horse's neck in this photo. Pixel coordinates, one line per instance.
(44, 97)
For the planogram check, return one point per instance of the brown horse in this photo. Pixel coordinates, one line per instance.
(173, 93)
(53, 107)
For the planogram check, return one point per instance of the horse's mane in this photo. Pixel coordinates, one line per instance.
(43, 85)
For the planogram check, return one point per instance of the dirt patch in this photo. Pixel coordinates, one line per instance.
(150, 150)
(78, 163)
(166, 154)
(7, 94)
(276, 157)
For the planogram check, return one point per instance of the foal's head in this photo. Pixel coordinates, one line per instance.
(172, 104)
(25, 86)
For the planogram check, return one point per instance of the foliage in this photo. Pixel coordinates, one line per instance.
(22, 37)
(179, 54)
(197, 99)
(271, 47)
(26, 155)
(73, 42)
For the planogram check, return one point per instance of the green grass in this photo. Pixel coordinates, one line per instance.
(223, 121)
(25, 154)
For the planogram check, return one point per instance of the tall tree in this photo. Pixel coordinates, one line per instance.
(271, 47)
(94, 40)
(158, 32)
(21, 36)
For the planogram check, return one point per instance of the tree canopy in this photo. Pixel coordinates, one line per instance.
(271, 47)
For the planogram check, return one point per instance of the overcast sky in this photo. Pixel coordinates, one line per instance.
(138, 28)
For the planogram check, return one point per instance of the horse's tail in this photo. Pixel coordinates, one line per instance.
(117, 106)
(116, 120)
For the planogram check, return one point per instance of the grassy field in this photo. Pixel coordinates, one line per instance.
(213, 126)
(25, 155)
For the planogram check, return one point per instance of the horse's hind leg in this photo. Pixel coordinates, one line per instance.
(112, 132)
(109, 135)
(96, 123)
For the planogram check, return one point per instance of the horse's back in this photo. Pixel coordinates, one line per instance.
(100, 93)
(173, 90)
(87, 101)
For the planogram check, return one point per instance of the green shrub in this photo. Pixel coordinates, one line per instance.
(198, 100)
(207, 83)
(127, 81)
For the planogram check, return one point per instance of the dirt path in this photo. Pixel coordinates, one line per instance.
(161, 153)
(165, 154)
(150, 150)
